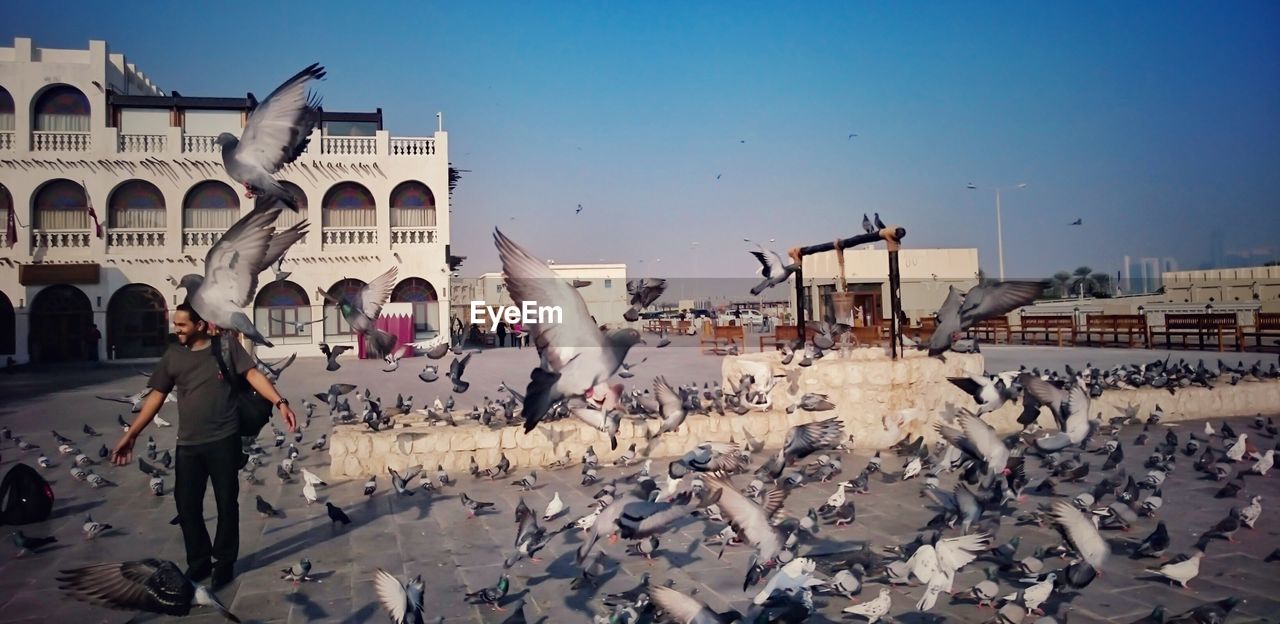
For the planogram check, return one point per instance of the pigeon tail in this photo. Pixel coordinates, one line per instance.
(538, 398)
(242, 324)
(379, 343)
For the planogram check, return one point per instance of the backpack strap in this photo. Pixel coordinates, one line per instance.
(221, 353)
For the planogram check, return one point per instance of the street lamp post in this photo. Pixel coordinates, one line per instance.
(999, 221)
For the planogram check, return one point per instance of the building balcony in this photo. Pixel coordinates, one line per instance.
(60, 239)
(348, 146)
(201, 237)
(412, 146)
(342, 236)
(130, 238)
(6, 141)
(61, 141)
(413, 235)
(199, 144)
(142, 143)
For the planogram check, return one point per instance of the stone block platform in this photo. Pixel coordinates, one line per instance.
(880, 401)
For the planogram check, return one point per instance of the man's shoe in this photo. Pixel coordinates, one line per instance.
(222, 576)
(199, 573)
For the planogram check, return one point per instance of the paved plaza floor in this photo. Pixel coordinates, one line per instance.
(431, 535)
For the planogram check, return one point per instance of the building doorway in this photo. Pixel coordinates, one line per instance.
(137, 323)
(61, 317)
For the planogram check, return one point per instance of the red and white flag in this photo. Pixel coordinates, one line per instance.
(97, 225)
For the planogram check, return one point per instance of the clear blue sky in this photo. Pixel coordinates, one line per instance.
(1154, 122)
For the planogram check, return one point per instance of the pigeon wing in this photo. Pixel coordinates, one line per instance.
(128, 585)
(678, 607)
(231, 267)
(987, 301)
(392, 595)
(375, 294)
(747, 518)
(278, 129)
(668, 401)
(807, 438)
(1082, 534)
(529, 279)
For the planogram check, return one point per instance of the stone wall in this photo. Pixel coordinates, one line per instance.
(879, 400)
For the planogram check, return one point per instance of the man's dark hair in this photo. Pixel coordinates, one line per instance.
(191, 312)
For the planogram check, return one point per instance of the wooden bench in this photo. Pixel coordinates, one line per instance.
(1058, 328)
(783, 334)
(1114, 330)
(992, 330)
(1203, 328)
(1265, 332)
(716, 337)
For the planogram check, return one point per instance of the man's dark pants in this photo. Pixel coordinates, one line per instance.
(198, 465)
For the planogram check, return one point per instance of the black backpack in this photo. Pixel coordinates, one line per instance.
(25, 496)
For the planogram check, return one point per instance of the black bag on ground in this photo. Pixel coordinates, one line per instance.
(253, 410)
(25, 496)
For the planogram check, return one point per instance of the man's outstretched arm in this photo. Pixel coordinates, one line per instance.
(268, 391)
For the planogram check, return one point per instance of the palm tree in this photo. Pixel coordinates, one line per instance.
(1058, 284)
(1082, 279)
(1103, 283)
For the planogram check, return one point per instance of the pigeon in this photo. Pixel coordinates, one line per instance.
(312, 479)
(429, 373)
(990, 393)
(687, 609)
(275, 134)
(336, 514)
(670, 406)
(438, 351)
(801, 441)
(156, 484)
(961, 312)
(1154, 544)
(606, 423)
(401, 483)
(1210, 613)
(27, 544)
(643, 293)
(393, 360)
(93, 529)
(713, 457)
(403, 602)
(298, 572)
(89, 431)
(1251, 512)
(362, 310)
(1180, 569)
(371, 485)
(273, 370)
(1082, 534)
(456, 368)
(576, 355)
(874, 609)
(149, 585)
(309, 492)
(773, 270)
(491, 595)
(232, 266)
(473, 506)
(528, 482)
(265, 509)
(331, 355)
(554, 508)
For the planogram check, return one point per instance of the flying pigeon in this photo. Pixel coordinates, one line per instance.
(575, 355)
(456, 369)
(643, 293)
(149, 585)
(773, 270)
(362, 310)
(960, 312)
(275, 134)
(403, 602)
(232, 266)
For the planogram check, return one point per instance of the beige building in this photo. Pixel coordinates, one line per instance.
(926, 276)
(85, 127)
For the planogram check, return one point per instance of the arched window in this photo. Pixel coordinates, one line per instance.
(288, 217)
(61, 205)
(348, 204)
(8, 327)
(6, 112)
(136, 204)
(62, 109)
(210, 205)
(413, 205)
(334, 323)
(280, 308)
(426, 305)
(61, 322)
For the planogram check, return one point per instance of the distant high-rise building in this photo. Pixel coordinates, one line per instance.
(1142, 275)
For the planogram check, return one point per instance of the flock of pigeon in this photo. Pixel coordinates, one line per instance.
(973, 477)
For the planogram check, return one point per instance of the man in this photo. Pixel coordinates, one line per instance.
(209, 444)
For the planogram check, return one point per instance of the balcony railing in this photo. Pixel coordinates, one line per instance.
(349, 236)
(60, 141)
(59, 239)
(412, 146)
(192, 237)
(135, 238)
(349, 146)
(6, 141)
(142, 143)
(199, 144)
(413, 235)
